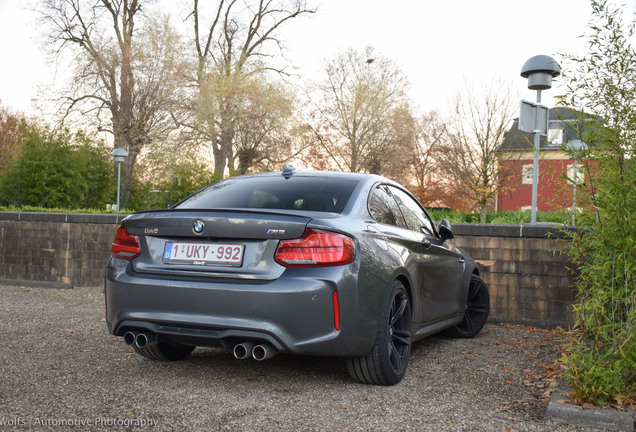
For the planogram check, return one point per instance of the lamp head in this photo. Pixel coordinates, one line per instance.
(540, 70)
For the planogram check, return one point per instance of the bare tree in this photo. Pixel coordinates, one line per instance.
(264, 133)
(362, 116)
(123, 77)
(432, 134)
(479, 120)
(233, 49)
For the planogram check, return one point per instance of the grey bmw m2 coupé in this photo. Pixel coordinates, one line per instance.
(312, 263)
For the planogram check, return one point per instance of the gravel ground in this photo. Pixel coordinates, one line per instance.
(60, 370)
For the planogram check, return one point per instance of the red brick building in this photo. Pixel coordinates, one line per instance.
(554, 190)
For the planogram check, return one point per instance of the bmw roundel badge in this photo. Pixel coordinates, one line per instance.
(198, 226)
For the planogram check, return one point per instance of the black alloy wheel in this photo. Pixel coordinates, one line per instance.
(476, 310)
(399, 343)
(389, 357)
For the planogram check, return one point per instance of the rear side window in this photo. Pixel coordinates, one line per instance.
(415, 216)
(298, 193)
(384, 209)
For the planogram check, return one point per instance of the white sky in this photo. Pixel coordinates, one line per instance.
(438, 44)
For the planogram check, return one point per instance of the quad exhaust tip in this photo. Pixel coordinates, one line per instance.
(139, 339)
(258, 352)
(129, 338)
(243, 350)
(263, 351)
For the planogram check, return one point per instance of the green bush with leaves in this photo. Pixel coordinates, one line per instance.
(176, 179)
(602, 361)
(510, 217)
(57, 169)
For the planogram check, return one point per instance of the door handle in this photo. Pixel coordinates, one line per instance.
(462, 260)
(426, 243)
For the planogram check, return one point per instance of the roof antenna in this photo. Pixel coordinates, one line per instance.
(288, 171)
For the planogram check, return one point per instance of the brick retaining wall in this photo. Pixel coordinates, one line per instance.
(55, 249)
(528, 279)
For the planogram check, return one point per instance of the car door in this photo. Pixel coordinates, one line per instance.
(439, 265)
(391, 234)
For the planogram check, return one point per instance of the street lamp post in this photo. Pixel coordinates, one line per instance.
(539, 70)
(119, 154)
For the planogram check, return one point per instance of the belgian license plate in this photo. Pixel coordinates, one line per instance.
(203, 253)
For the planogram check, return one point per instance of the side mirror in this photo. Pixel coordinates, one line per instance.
(444, 230)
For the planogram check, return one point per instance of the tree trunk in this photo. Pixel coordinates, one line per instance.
(127, 171)
(225, 143)
(484, 213)
(219, 161)
(354, 157)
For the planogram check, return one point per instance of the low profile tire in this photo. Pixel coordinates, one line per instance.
(389, 357)
(476, 312)
(165, 351)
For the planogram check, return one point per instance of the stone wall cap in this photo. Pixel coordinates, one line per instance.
(95, 218)
(542, 230)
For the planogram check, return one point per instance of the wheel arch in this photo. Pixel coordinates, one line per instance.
(407, 285)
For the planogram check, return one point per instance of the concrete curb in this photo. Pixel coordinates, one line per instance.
(36, 283)
(565, 412)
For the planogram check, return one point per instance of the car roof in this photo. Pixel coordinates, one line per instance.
(349, 176)
(332, 174)
(360, 178)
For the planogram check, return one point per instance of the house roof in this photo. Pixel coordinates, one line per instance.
(558, 118)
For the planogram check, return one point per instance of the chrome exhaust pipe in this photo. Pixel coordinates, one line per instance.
(243, 350)
(129, 338)
(145, 339)
(264, 351)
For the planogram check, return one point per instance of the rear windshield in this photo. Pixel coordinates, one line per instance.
(298, 193)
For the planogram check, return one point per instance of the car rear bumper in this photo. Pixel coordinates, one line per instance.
(294, 313)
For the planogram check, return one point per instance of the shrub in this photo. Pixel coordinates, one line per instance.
(602, 363)
(57, 169)
(177, 180)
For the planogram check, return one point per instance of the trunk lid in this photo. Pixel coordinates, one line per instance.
(233, 244)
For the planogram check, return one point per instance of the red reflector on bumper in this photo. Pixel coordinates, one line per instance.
(336, 311)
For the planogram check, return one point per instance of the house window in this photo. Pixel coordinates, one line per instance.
(577, 177)
(555, 136)
(526, 174)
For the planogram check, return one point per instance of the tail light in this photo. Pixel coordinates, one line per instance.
(125, 246)
(316, 248)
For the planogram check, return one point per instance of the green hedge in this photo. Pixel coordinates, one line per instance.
(509, 217)
(506, 218)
